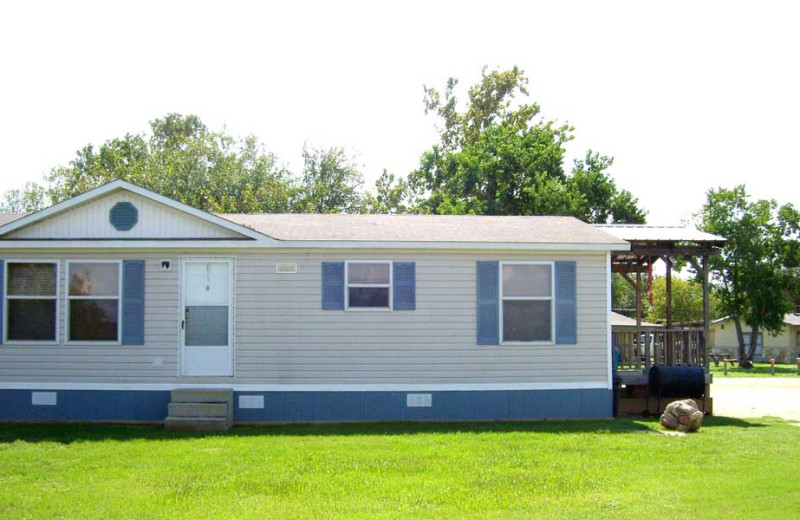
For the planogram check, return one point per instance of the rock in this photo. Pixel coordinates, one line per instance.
(682, 416)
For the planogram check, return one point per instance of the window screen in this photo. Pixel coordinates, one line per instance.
(527, 302)
(31, 301)
(93, 301)
(369, 285)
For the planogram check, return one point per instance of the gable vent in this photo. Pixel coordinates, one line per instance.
(123, 216)
(286, 268)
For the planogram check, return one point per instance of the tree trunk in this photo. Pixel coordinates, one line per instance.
(743, 359)
(751, 354)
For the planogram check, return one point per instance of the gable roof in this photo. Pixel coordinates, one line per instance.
(329, 230)
(11, 223)
(428, 228)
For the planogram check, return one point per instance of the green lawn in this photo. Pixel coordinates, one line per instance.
(604, 469)
(759, 370)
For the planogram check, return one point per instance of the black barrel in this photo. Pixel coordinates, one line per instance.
(677, 381)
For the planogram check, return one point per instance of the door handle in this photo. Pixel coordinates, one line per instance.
(183, 323)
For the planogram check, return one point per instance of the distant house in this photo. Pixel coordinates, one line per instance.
(784, 348)
(620, 322)
(114, 299)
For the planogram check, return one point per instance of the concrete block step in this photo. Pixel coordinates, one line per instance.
(198, 410)
(202, 395)
(197, 424)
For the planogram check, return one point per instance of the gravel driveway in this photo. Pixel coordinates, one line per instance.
(757, 397)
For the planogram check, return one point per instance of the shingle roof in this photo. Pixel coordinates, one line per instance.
(5, 218)
(426, 228)
(419, 228)
(646, 233)
(620, 320)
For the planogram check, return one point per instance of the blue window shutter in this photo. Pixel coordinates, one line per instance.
(332, 286)
(488, 303)
(404, 289)
(133, 302)
(566, 303)
(2, 298)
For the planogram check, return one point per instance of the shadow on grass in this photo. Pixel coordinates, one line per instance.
(70, 433)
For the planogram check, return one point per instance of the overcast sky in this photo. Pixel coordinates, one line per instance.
(685, 95)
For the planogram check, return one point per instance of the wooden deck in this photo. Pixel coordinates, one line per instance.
(655, 346)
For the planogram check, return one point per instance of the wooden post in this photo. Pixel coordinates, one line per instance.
(706, 312)
(638, 339)
(669, 336)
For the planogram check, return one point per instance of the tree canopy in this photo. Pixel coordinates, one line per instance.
(687, 301)
(498, 157)
(756, 276)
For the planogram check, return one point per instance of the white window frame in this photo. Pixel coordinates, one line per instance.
(28, 297)
(348, 285)
(68, 298)
(551, 298)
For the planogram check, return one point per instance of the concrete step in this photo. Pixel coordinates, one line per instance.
(198, 410)
(197, 424)
(202, 395)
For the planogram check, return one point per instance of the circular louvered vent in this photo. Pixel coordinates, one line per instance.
(123, 216)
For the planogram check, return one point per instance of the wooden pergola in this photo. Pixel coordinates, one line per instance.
(668, 345)
(670, 244)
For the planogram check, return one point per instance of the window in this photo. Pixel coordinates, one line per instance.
(31, 301)
(526, 306)
(369, 285)
(93, 306)
(759, 343)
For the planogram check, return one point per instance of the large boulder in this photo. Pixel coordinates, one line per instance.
(682, 416)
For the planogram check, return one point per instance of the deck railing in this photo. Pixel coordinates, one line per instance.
(659, 346)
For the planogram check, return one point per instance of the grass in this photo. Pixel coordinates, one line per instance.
(758, 370)
(595, 469)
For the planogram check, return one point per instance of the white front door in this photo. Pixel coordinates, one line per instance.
(206, 316)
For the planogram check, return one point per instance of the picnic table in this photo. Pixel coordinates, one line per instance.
(716, 358)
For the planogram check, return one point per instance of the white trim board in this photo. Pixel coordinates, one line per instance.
(454, 387)
(299, 244)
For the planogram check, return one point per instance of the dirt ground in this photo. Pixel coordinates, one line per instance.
(756, 397)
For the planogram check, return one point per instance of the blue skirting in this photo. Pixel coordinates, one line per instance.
(85, 405)
(474, 405)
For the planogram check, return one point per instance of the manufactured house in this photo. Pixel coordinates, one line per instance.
(115, 299)
(783, 347)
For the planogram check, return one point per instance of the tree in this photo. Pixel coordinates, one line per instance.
(496, 158)
(32, 197)
(757, 270)
(181, 159)
(687, 301)
(331, 183)
(390, 196)
(623, 296)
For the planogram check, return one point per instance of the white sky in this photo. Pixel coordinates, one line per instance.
(685, 95)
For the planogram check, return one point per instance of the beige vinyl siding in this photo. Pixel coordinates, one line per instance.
(91, 220)
(783, 347)
(282, 336)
